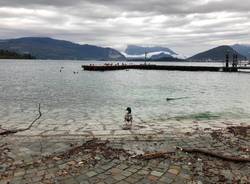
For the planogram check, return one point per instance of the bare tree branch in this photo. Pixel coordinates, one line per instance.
(8, 132)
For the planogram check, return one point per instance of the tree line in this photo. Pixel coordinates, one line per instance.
(5, 54)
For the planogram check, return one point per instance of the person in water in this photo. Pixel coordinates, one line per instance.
(128, 118)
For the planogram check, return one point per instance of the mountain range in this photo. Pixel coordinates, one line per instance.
(48, 48)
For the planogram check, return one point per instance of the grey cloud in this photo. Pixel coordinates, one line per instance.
(159, 6)
(187, 26)
(21, 3)
(177, 6)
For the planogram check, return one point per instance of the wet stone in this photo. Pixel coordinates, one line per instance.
(81, 178)
(166, 179)
(143, 172)
(132, 179)
(91, 174)
(156, 173)
(126, 173)
(119, 177)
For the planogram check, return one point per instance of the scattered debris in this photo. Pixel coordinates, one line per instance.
(239, 130)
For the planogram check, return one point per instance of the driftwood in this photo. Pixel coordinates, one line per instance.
(8, 132)
(216, 155)
(149, 156)
(180, 98)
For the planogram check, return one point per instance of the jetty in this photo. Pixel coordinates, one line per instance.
(233, 66)
(163, 67)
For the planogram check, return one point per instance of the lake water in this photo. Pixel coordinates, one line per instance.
(104, 96)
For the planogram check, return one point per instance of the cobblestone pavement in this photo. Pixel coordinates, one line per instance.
(82, 159)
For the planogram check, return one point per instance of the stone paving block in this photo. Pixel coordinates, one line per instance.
(19, 173)
(185, 176)
(101, 132)
(84, 182)
(179, 180)
(122, 132)
(126, 173)
(110, 180)
(132, 179)
(115, 171)
(101, 182)
(123, 182)
(91, 174)
(69, 181)
(166, 179)
(102, 176)
(49, 176)
(81, 178)
(99, 170)
(107, 166)
(36, 179)
(119, 177)
(152, 178)
(94, 180)
(175, 170)
(156, 173)
(123, 166)
(143, 172)
(168, 175)
(132, 169)
(17, 180)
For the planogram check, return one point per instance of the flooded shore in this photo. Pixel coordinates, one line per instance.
(138, 156)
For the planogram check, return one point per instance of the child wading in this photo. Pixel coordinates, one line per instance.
(128, 119)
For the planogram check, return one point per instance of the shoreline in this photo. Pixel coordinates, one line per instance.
(52, 158)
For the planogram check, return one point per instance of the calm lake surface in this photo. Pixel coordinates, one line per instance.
(104, 96)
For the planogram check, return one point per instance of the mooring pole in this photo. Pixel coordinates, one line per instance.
(235, 60)
(145, 58)
(227, 60)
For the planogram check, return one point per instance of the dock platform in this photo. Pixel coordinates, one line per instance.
(158, 67)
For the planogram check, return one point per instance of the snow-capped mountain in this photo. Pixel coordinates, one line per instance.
(153, 53)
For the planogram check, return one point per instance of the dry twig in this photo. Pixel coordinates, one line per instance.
(8, 132)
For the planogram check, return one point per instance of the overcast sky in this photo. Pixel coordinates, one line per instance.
(185, 26)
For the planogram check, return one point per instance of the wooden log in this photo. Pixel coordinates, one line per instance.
(213, 154)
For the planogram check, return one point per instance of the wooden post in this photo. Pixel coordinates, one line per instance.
(145, 58)
(227, 60)
(235, 60)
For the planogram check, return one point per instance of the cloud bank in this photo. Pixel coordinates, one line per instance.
(185, 26)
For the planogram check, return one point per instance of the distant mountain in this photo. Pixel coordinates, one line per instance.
(217, 54)
(48, 48)
(5, 54)
(242, 49)
(138, 50)
(134, 52)
(166, 57)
